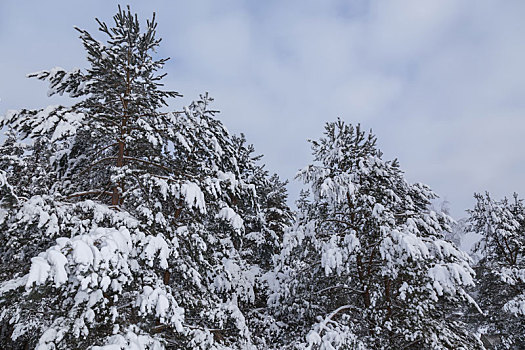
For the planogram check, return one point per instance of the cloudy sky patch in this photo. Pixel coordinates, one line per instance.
(441, 83)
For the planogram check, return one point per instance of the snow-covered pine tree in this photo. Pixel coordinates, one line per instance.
(266, 223)
(366, 266)
(25, 175)
(12, 167)
(131, 232)
(500, 272)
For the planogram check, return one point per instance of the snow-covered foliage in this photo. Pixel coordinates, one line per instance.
(125, 227)
(501, 269)
(366, 265)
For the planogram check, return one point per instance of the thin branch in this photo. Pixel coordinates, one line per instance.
(90, 166)
(322, 325)
(412, 343)
(103, 118)
(162, 327)
(87, 193)
(105, 148)
(336, 287)
(149, 163)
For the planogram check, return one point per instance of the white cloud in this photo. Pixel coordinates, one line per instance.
(440, 81)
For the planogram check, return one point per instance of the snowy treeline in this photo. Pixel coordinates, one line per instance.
(124, 227)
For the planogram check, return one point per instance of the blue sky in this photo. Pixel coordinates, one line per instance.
(440, 82)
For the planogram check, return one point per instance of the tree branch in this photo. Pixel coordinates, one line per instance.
(149, 163)
(87, 193)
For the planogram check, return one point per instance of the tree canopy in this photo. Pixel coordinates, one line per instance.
(143, 228)
(366, 264)
(127, 226)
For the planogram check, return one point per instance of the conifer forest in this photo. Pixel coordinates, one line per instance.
(127, 226)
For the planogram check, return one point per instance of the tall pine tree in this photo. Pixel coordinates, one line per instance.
(366, 265)
(133, 228)
(500, 270)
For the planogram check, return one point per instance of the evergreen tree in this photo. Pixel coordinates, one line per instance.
(266, 223)
(501, 270)
(366, 265)
(12, 166)
(144, 229)
(272, 215)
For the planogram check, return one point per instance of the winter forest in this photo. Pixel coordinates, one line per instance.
(123, 226)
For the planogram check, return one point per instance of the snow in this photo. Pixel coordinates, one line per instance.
(216, 146)
(514, 276)
(229, 215)
(94, 297)
(402, 245)
(82, 253)
(58, 261)
(516, 306)
(105, 283)
(78, 254)
(446, 249)
(330, 335)
(161, 304)
(46, 340)
(3, 179)
(3, 215)
(183, 141)
(56, 76)
(154, 245)
(90, 315)
(193, 196)
(39, 271)
(446, 278)
(45, 120)
(336, 188)
(228, 177)
(67, 126)
(38, 208)
(13, 284)
(402, 291)
(130, 341)
(332, 256)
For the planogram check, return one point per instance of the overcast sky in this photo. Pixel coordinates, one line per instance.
(441, 83)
